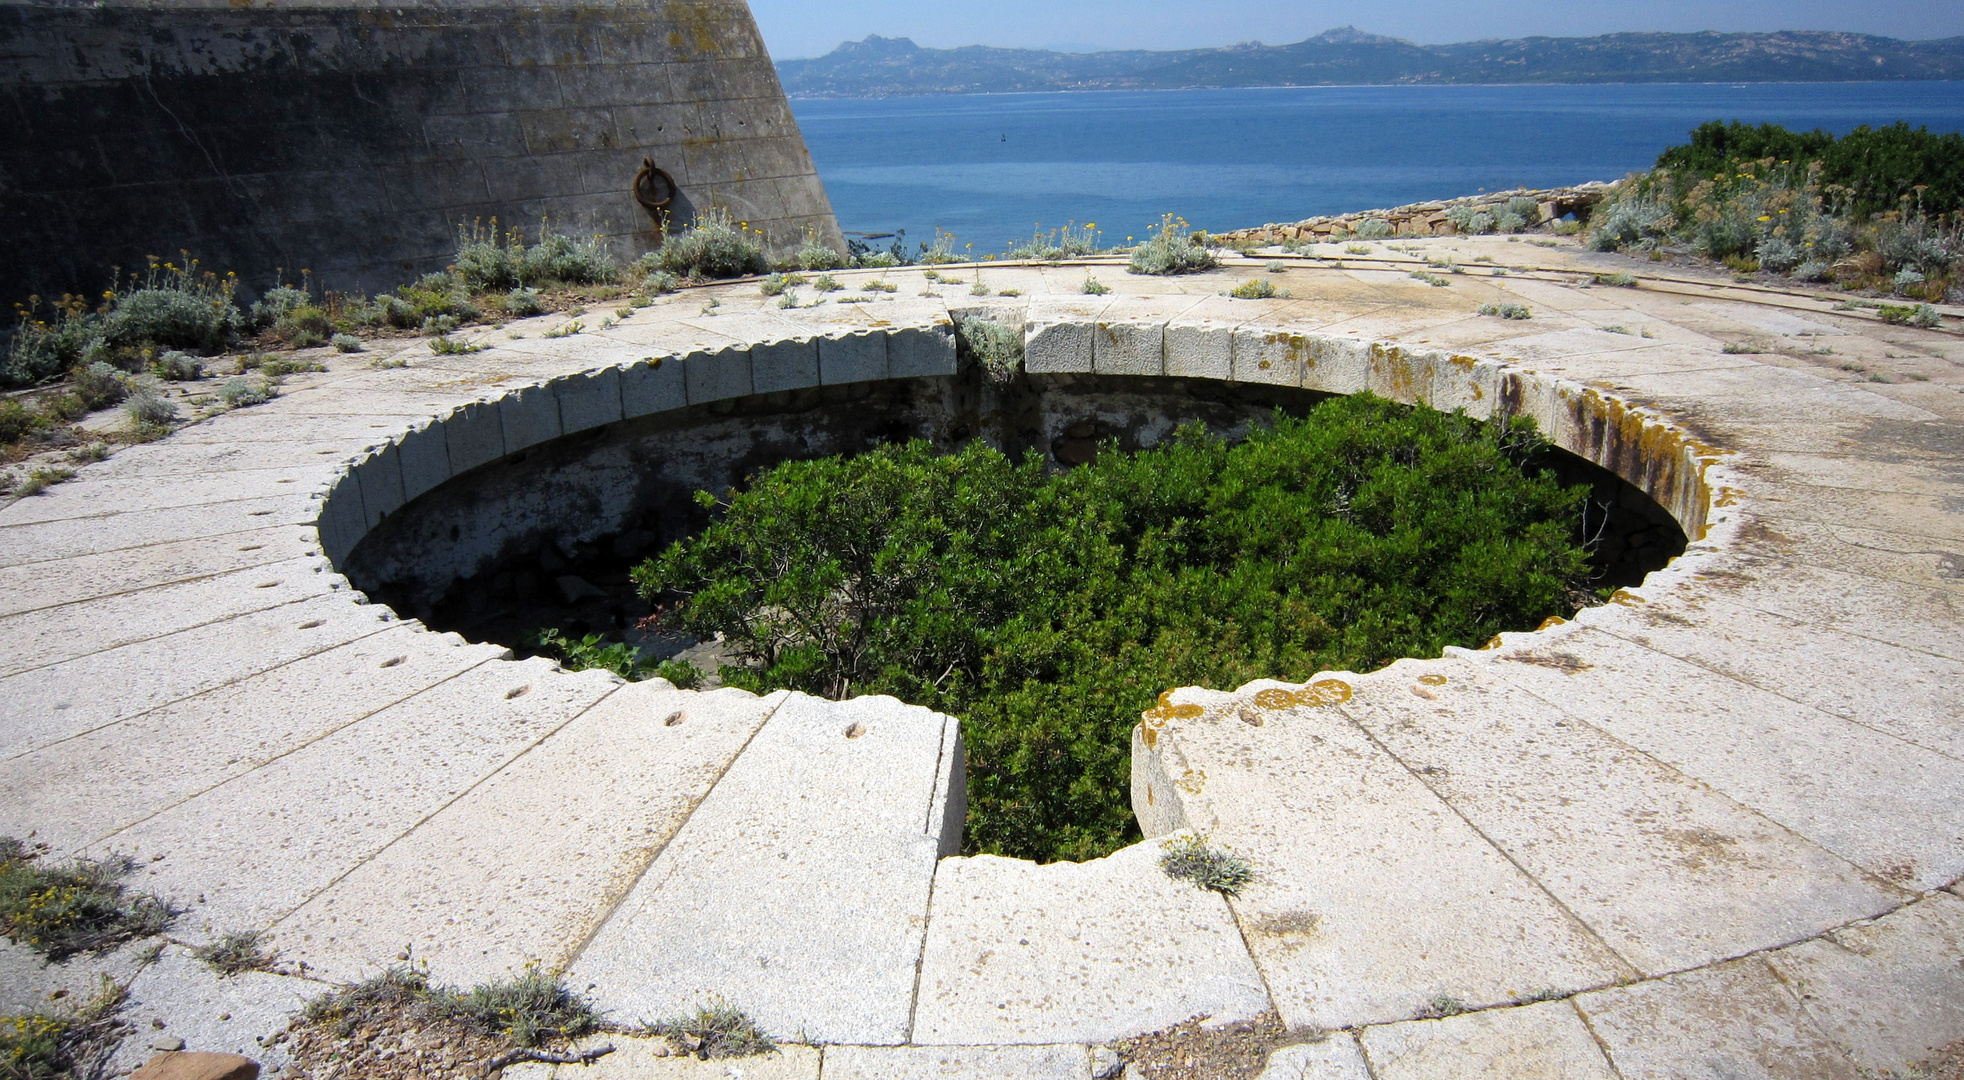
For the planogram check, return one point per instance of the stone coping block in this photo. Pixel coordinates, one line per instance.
(806, 870)
(1536, 1042)
(1140, 951)
(957, 1063)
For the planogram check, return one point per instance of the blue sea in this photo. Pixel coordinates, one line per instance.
(993, 169)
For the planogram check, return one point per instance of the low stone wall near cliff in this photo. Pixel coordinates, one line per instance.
(1430, 218)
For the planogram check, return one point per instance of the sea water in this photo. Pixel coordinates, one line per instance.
(993, 169)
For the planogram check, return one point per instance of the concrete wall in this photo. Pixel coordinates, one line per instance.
(352, 138)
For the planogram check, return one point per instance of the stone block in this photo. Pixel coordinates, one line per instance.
(798, 889)
(852, 358)
(718, 375)
(380, 478)
(1733, 1019)
(198, 1066)
(589, 399)
(1129, 348)
(1334, 1057)
(1546, 1041)
(1348, 843)
(425, 458)
(1140, 951)
(529, 416)
(653, 1059)
(1666, 872)
(1200, 350)
(343, 521)
(477, 891)
(1891, 991)
(651, 386)
(957, 1063)
(1052, 348)
(474, 435)
(915, 352)
(223, 1017)
(1265, 354)
(783, 365)
(1337, 365)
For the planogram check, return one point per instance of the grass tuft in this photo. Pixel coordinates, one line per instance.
(1255, 289)
(714, 1030)
(1191, 857)
(1508, 311)
(59, 911)
(232, 954)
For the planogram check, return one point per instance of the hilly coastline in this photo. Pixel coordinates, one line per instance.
(892, 67)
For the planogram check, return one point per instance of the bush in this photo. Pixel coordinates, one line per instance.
(1093, 287)
(173, 308)
(716, 246)
(941, 252)
(529, 1009)
(277, 302)
(244, 393)
(1372, 228)
(345, 343)
(177, 366)
(715, 1030)
(100, 385)
(1624, 221)
(304, 327)
(523, 303)
(594, 653)
(1254, 289)
(81, 907)
(146, 403)
(998, 348)
(1057, 245)
(1192, 858)
(1048, 611)
(488, 262)
(1907, 281)
(814, 255)
(1778, 254)
(433, 296)
(1910, 315)
(1470, 221)
(1173, 249)
(1878, 167)
(1526, 209)
(47, 343)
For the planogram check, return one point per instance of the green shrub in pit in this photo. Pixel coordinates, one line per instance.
(998, 348)
(1048, 611)
(1192, 858)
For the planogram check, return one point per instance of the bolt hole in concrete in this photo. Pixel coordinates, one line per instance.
(550, 539)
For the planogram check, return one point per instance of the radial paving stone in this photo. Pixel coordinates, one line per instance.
(1890, 992)
(1372, 896)
(1547, 1041)
(478, 891)
(1333, 1057)
(798, 890)
(1077, 952)
(63, 700)
(1884, 556)
(1735, 1020)
(51, 635)
(1666, 873)
(77, 791)
(1889, 806)
(306, 820)
(957, 1063)
(39, 586)
(48, 541)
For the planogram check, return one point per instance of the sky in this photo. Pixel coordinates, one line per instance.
(803, 28)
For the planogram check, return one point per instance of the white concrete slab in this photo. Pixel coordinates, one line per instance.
(957, 1063)
(479, 890)
(1333, 1057)
(1730, 1020)
(1547, 1041)
(1077, 952)
(38, 586)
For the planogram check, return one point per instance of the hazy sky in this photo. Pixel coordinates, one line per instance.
(799, 28)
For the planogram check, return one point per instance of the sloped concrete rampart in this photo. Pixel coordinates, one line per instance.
(352, 139)
(1712, 825)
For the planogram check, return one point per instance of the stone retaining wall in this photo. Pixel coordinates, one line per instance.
(1427, 219)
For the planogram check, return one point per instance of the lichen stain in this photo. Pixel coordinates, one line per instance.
(1626, 598)
(693, 24)
(1433, 680)
(1192, 781)
(1567, 663)
(1291, 929)
(1699, 847)
(1551, 622)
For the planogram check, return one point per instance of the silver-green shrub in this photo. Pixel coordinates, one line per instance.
(716, 246)
(1171, 250)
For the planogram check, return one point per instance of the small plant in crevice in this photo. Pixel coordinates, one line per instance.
(1193, 859)
(878, 286)
(1508, 311)
(997, 347)
(1172, 249)
(826, 283)
(67, 1045)
(1442, 1006)
(345, 343)
(1618, 280)
(146, 404)
(716, 245)
(593, 652)
(1431, 279)
(1093, 287)
(233, 954)
(83, 906)
(41, 478)
(1255, 289)
(1740, 348)
(714, 1030)
(1357, 249)
(529, 1008)
(569, 329)
(449, 346)
(1922, 315)
(816, 255)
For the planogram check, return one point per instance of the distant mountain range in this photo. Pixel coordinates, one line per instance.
(889, 67)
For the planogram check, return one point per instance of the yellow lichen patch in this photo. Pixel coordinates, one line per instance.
(1276, 698)
(1727, 496)
(1325, 692)
(1551, 621)
(1192, 781)
(1495, 643)
(1626, 598)
(1433, 680)
(1187, 712)
(1464, 363)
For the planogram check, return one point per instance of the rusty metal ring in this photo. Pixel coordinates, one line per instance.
(653, 188)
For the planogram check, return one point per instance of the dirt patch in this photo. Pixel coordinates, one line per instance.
(1947, 1065)
(1193, 1051)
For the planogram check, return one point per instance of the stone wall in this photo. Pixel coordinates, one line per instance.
(1427, 219)
(352, 139)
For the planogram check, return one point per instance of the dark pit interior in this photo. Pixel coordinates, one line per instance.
(546, 538)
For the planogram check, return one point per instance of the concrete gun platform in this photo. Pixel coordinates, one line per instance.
(1713, 827)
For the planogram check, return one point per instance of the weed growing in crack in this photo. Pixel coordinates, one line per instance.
(714, 1030)
(1191, 857)
(59, 911)
(1255, 289)
(231, 954)
(998, 348)
(1509, 311)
